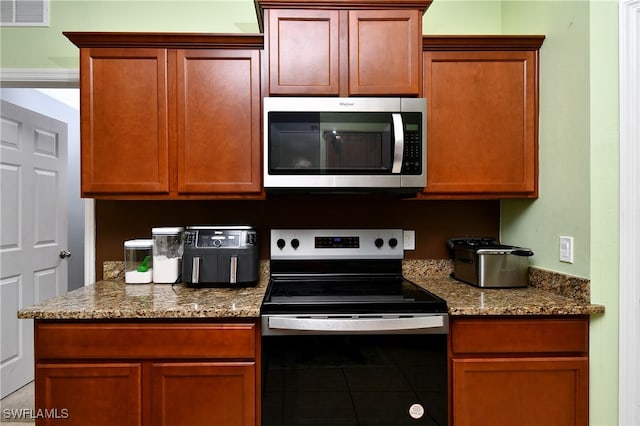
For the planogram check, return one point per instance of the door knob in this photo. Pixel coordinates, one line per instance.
(64, 254)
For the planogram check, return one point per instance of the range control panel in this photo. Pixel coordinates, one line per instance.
(320, 244)
(337, 242)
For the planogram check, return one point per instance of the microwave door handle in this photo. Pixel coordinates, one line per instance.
(398, 145)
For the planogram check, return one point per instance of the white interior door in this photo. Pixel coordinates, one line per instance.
(33, 230)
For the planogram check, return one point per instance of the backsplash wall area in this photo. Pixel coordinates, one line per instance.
(433, 221)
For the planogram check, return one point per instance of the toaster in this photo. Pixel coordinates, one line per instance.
(483, 262)
(220, 256)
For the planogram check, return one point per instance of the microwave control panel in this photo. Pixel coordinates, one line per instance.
(412, 156)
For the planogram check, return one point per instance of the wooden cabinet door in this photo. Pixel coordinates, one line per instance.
(385, 52)
(218, 121)
(88, 394)
(124, 130)
(520, 391)
(303, 48)
(343, 53)
(199, 394)
(482, 118)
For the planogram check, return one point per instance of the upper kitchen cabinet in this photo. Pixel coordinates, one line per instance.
(124, 112)
(343, 48)
(218, 121)
(170, 116)
(482, 116)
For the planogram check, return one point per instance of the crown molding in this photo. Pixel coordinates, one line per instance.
(165, 40)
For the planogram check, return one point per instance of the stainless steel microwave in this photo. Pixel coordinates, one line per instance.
(344, 144)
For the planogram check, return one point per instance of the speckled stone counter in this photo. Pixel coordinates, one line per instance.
(113, 299)
(548, 294)
(463, 299)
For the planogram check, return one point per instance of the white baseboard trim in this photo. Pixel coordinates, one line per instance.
(39, 77)
(629, 337)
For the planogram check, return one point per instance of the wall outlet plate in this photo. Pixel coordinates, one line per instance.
(566, 249)
(409, 238)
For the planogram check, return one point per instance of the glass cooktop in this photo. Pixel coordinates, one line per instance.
(356, 295)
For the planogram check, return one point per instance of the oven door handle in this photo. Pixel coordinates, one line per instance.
(355, 324)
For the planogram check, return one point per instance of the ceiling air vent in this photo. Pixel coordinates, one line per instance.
(24, 13)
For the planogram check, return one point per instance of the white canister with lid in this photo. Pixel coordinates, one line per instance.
(167, 254)
(138, 263)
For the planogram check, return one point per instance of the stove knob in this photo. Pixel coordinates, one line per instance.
(379, 242)
(280, 243)
(393, 242)
(295, 243)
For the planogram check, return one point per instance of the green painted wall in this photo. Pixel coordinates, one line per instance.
(578, 166)
(463, 17)
(605, 187)
(48, 48)
(578, 123)
(29, 47)
(563, 206)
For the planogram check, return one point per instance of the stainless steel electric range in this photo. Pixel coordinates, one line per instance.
(347, 340)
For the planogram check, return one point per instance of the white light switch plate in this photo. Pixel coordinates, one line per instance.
(566, 249)
(409, 238)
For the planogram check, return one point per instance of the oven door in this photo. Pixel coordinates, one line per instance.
(355, 380)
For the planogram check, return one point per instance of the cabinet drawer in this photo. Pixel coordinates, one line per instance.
(144, 341)
(520, 335)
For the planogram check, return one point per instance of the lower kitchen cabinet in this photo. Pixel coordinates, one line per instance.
(519, 371)
(204, 394)
(515, 391)
(89, 393)
(147, 373)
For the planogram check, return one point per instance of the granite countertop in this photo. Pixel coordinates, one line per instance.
(113, 299)
(464, 299)
(548, 293)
